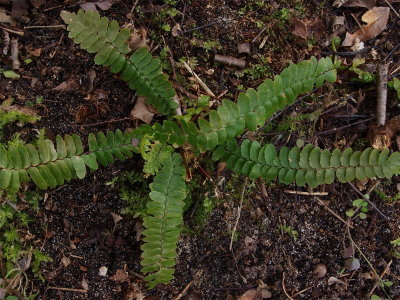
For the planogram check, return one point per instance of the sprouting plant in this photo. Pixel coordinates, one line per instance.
(50, 164)
(360, 208)
(290, 231)
(363, 76)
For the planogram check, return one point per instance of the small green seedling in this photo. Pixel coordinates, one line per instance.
(395, 84)
(363, 76)
(290, 231)
(360, 206)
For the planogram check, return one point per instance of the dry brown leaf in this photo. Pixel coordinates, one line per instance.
(176, 30)
(376, 20)
(305, 28)
(22, 109)
(120, 276)
(138, 39)
(141, 111)
(67, 86)
(355, 3)
(65, 261)
(102, 5)
(84, 284)
(256, 294)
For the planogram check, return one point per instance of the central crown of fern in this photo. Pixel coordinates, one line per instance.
(140, 70)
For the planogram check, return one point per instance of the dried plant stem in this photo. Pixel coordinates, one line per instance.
(390, 5)
(198, 79)
(382, 95)
(6, 42)
(67, 289)
(14, 54)
(238, 216)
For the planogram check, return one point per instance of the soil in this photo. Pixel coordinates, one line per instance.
(284, 237)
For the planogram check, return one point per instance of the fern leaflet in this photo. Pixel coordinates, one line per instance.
(162, 225)
(141, 71)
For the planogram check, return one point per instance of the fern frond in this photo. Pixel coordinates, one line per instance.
(155, 157)
(49, 165)
(162, 225)
(252, 109)
(311, 166)
(141, 71)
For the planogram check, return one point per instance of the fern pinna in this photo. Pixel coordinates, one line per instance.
(140, 70)
(309, 165)
(165, 215)
(252, 109)
(49, 165)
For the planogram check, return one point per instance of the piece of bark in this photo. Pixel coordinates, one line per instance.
(230, 61)
(14, 54)
(380, 137)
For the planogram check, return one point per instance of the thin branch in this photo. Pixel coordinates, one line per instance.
(198, 79)
(382, 95)
(238, 216)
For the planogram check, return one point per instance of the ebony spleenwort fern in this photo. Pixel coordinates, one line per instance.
(49, 165)
(162, 231)
(309, 165)
(142, 72)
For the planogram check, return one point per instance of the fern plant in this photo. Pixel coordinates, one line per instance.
(48, 164)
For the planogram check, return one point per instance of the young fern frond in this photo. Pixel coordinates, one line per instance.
(252, 109)
(154, 158)
(49, 165)
(141, 71)
(162, 231)
(309, 165)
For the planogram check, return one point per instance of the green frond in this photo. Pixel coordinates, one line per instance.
(252, 109)
(140, 70)
(309, 165)
(49, 165)
(165, 210)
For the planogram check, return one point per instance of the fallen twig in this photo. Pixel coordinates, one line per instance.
(198, 79)
(230, 61)
(14, 54)
(332, 212)
(199, 27)
(21, 33)
(382, 95)
(380, 278)
(391, 7)
(238, 216)
(43, 26)
(67, 289)
(6, 42)
(306, 193)
(284, 287)
(343, 127)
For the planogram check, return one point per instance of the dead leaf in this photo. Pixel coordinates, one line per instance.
(67, 86)
(91, 74)
(116, 218)
(376, 20)
(256, 294)
(102, 5)
(22, 109)
(305, 28)
(19, 8)
(355, 3)
(4, 18)
(138, 39)
(333, 280)
(25, 262)
(65, 261)
(139, 230)
(352, 264)
(120, 276)
(141, 111)
(84, 284)
(349, 252)
(176, 30)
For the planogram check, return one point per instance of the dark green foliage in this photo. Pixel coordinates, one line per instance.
(49, 165)
(140, 70)
(252, 109)
(309, 165)
(165, 215)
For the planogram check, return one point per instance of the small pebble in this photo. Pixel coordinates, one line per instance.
(103, 271)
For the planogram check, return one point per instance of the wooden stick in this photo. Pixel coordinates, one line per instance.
(382, 95)
(238, 216)
(201, 82)
(67, 289)
(21, 33)
(181, 294)
(43, 26)
(306, 193)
